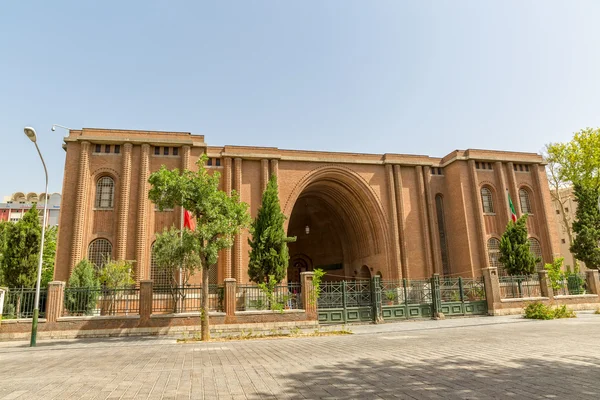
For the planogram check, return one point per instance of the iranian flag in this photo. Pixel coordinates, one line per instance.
(513, 213)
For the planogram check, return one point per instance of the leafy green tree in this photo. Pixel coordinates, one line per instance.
(555, 273)
(514, 249)
(577, 161)
(219, 217)
(49, 255)
(21, 250)
(175, 251)
(82, 302)
(3, 230)
(269, 255)
(587, 226)
(116, 274)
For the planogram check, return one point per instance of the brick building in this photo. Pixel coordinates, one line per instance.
(355, 215)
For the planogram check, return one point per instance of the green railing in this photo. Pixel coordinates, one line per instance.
(285, 296)
(20, 302)
(520, 286)
(571, 285)
(101, 301)
(167, 300)
(461, 289)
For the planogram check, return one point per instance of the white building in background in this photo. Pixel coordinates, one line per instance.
(16, 205)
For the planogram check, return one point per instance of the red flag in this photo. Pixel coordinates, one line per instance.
(188, 222)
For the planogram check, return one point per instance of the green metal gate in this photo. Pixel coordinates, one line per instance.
(375, 300)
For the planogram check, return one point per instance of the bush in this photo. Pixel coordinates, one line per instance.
(539, 310)
(81, 302)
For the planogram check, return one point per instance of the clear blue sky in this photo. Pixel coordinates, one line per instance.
(415, 77)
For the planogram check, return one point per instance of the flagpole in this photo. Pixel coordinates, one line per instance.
(181, 239)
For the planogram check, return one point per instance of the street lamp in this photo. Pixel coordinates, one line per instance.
(60, 126)
(30, 132)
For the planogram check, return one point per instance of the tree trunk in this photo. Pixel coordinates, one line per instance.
(204, 323)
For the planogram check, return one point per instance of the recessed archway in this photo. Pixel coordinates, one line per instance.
(338, 224)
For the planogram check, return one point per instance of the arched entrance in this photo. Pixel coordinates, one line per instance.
(338, 224)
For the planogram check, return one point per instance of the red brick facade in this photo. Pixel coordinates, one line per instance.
(366, 213)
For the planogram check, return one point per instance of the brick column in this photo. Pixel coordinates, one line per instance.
(433, 234)
(124, 203)
(275, 168)
(264, 174)
(403, 268)
(478, 216)
(237, 245)
(142, 217)
(593, 281)
(80, 205)
(230, 300)
(424, 220)
(498, 167)
(512, 186)
(492, 288)
(55, 300)
(545, 286)
(393, 221)
(309, 300)
(145, 299)
(227, 261)
(543, 201)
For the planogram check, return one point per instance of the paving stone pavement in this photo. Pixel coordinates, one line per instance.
(472, 358)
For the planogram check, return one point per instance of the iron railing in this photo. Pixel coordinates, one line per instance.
(251, 297)
(571, 285)
(167, 300)
(520, 286)
(461, 289)
(85, 301)
(20, 302)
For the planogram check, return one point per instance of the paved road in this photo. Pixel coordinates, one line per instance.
(475, 358)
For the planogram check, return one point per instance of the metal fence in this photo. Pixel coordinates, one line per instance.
(344, 294)
(520, 286)
(101, 301)
(251, 297)
(571, 285)
(167, 300)
(461, 289)
(20, 302)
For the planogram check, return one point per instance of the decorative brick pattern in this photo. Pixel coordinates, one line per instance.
(481, 242)
(403, 268)
(141, 267)
(393, 222)
(424, 219)
(124, 202)
(81, 205)
(237, 245)
(264, 174)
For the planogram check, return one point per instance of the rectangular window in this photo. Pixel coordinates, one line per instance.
(558, 211)
(209, 162)
(566, 210)
(564, 241)
(166, 151)
(156, 150)
(107, 148)
(218, 162)
(477, 164)
(515, 167)
(527, 168)
(521, 167)
(117, 149)
(98, 149)
(489, 165)
(175, 151)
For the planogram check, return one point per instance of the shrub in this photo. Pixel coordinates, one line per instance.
(538, 310)
(563, 312)
(83, 276)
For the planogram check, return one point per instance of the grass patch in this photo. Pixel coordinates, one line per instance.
(251, 336)
(539, 310)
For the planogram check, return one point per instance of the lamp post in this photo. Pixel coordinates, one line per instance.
(30, 132)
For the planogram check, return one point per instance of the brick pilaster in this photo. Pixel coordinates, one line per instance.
(512, 185)
(433, 233)
(545, 286)
(478, 211)
(124, 203)
(492, 287)
(275, 168)
(551, 246)
(142, 217)
(393, 222)
(264, 174)
(80, 205)
(503, 213)
(146, 288)
(309, 300)
(424, 220)
(403, 268)
(55, 300)
(593, 281)
(237, 245)
(230, 299)
(227, 259)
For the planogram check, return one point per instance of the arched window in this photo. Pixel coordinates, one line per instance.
(99, 252)
(536, 249)
(524, 200)
(493, 246)
(105, 192)
(486, 200)
(439, 206)
(160, 276)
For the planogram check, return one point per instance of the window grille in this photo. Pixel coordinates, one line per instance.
(117, 149)
(536, 249)
(105, 191)
(439, 205)
(213, 275)
(99, 252)
(175, 151)
(524, 200)
(493, 246)
(156, 150)
(159, 276)
(486, 200)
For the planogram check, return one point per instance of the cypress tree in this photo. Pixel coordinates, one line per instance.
(514, 249)
(269, 255)
(586, 226)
